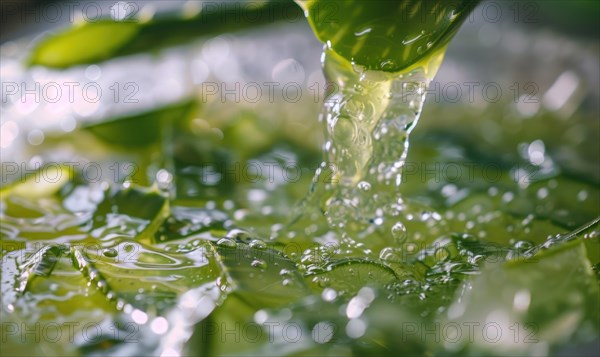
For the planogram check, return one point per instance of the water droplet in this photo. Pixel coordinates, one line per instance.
(329, 294)
(364, 186)
(258, 244)
(523, 245)
(582, 195)
(399, 232)
(389, 255)
(344, 130)
(322, 281)
(226, 242)
(159, 325)
(442, 254)
(110, 253)
(257, 263)
(164, 178)
(356, 328)
(238, 234)
(139, 317)
(468, 238)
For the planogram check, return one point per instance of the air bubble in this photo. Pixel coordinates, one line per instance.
(226, 242)
(389, 255)
(258, 263)
(364, 186)
(257, 244)
(329, 294)
(523, 245)
(399, 232)
(237, 234)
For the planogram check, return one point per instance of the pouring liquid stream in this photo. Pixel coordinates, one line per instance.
(367, 121)
(378, 62)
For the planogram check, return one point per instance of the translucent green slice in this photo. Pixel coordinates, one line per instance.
(43, 182)
(146, 204)
(126, 269)
(39, 264)
(93, 42)
(261, 277)
(386, 35)
(551, 297)
(86, 44)
(348, 276)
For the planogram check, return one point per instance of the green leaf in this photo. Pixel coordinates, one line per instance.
(222, 333)
(147, 278)
(142, 208)
(144, 128)
(541, 301)
(88, 43)
(262, 277)
(43, 182)
(93, 42)
(348, 276)
(386, 35)
(40, 264)
(54, 293)
(191, 221)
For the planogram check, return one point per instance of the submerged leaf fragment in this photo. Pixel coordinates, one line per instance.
(514, 300)
(348, 276)
(149, 206)
(40, 264)
(262, 277)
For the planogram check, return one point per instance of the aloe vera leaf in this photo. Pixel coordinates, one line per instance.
(94, 42)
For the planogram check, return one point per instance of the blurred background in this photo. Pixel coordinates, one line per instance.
(577, 18)
(512, 59)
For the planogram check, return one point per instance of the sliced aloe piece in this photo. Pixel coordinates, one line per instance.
(40, 264)
(191, 221)
(143, 210)
(541, 301)
(43, 182)
(85, 44)
(146, 278)
(348, 276)
(45, 289)
(223, 332)
(261, 277)
(386, 35)
(144, 128)
(93, 42)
